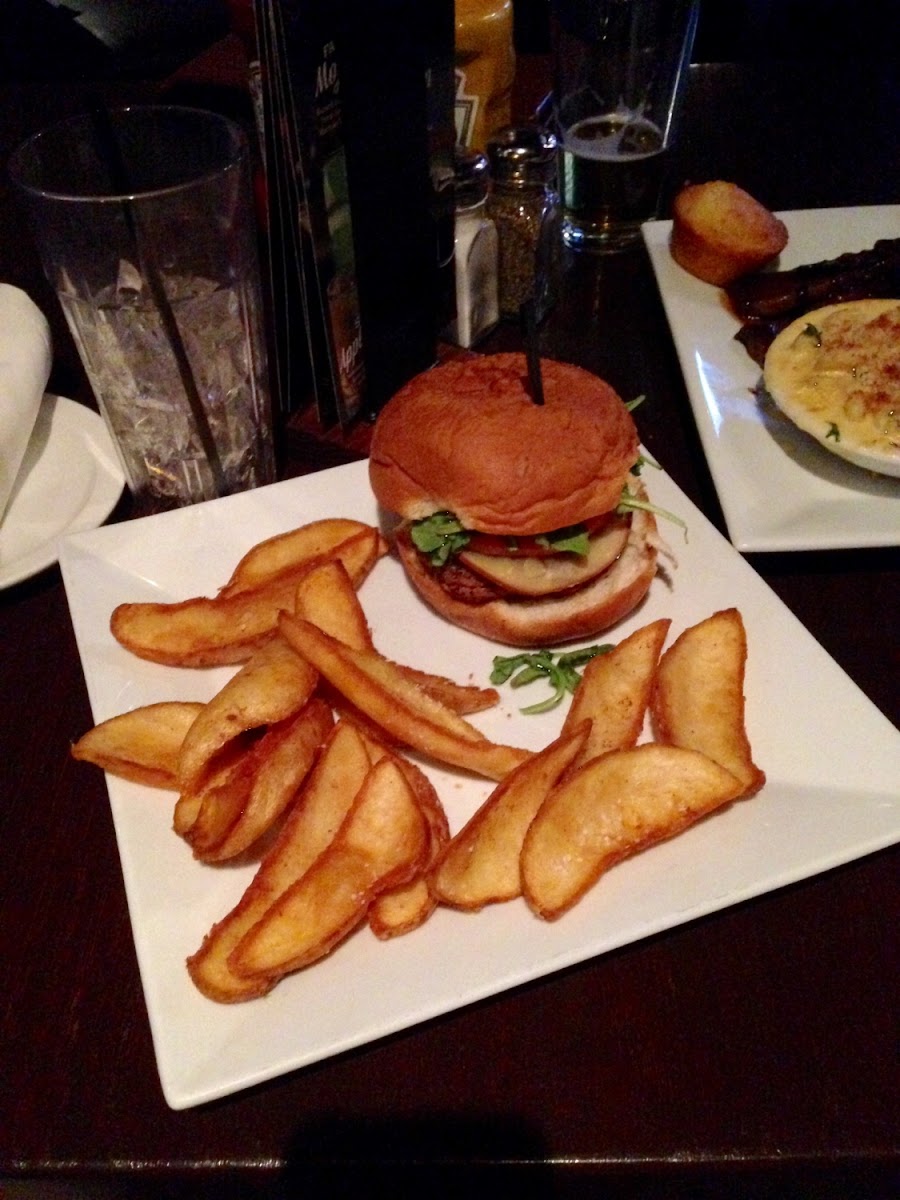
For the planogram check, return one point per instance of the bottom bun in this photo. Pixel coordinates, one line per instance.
(552, 619)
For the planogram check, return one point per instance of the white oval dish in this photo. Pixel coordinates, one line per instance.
(825, 372)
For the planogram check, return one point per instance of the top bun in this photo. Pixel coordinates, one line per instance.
(467, 437)
(719, 232)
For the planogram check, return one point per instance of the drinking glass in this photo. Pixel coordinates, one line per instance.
(144, 220)
(619, 68)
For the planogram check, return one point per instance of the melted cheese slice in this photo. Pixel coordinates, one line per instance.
(835, 372)
(560, 573)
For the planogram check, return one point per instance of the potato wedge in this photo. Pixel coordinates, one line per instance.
(187, 809)
(204, 632)
(250, 783)
(381, 843)
(327, 598)
(698, 695)
(204, 817)
(142, 745)
(481, 863)
(226, 629)
(378, 688)
(461, 698)
(269, 558)
(283, 758)
(347, 664)
(615, 690)
(273, 685)
(615, 806)
(308, 829)
(402, 909)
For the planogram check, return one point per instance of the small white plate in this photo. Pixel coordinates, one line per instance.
(69, 480)
(831, 794)
(778, 488)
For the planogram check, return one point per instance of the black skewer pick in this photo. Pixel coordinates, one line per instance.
(528, 321)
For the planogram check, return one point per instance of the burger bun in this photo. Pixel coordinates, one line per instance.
(468, 437)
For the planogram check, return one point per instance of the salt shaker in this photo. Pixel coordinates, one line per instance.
(525, 207)
(475, 252)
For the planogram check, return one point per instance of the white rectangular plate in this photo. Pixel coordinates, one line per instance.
(779, 489)
(831, 794)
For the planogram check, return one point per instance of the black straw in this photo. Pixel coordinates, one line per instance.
(528, 321)
(111, 155)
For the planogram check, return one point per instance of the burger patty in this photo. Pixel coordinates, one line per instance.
(462, 584)
(456, 579)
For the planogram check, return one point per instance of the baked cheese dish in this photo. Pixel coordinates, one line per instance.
(835, 372)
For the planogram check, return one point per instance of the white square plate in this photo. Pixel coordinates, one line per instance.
(778, 488)
(831, 794)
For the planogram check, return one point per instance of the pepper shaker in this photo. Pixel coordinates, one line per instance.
(525, 207)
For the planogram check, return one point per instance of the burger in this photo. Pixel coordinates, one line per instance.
(520, 517)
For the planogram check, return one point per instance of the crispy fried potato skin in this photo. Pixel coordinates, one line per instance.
(613, 807)
(698, 695)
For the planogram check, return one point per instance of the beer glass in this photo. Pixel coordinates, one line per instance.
(619, 71)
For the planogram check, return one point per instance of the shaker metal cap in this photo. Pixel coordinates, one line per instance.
(471, 177)
(522, 154)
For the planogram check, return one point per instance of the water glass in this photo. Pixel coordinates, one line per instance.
(145, 224)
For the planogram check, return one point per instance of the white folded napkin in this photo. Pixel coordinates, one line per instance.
(25, 358)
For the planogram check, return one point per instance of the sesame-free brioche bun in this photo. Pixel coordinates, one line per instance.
(467, 437)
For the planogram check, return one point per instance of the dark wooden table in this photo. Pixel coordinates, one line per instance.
(751, 1053)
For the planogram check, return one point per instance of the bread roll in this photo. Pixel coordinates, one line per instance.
(719, 232)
